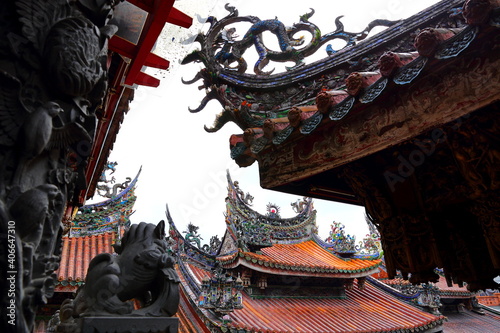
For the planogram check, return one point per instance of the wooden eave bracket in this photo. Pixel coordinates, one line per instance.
(130, 50)
(144, 79)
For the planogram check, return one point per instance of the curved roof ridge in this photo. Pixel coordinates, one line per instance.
(185, 247)
(115, 199)
(391, 290)
(241, 203)
(109, 215)
(302, 258)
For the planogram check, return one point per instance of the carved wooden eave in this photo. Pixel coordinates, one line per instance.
(444, 94)
(420, 158)
(414, 142)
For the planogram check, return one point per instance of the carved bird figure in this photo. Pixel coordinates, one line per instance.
(38, 128)
(72, 48)
(35, 135)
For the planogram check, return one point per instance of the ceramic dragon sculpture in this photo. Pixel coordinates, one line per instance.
(222, 53)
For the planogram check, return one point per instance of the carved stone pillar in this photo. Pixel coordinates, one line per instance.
(53, 77)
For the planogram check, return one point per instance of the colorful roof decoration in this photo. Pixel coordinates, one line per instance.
(252, 229)
(269, 243)
(345, 245)
(110, 215)
(273, 109)
(92, 231)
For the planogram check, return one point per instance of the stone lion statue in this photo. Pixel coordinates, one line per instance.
(142, 271)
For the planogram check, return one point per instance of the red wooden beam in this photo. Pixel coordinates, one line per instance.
(144, 79)
(158, 15)
(179, 18)
(129, 50)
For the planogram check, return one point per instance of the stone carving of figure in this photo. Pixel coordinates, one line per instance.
(143, 270)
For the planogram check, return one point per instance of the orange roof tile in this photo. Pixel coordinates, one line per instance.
(305, 257)
(369, 310)
(77, 252)
(471, 322)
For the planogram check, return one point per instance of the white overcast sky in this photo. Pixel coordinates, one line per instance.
(184, 166)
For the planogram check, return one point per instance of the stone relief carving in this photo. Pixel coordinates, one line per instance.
(53, 77)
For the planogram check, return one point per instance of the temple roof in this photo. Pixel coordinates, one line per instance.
(112, 214)
(290, 246)
(76, 254)
(250, 227)
(471, 322)
(92, 231)
(305, 258)
(330, 95)
(321, 296)
(369, 310)
(452, 291)
(404, 123)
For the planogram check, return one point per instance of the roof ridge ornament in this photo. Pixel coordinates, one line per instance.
(111, 191)
(223, 54)
(220, 49)
(246, 198)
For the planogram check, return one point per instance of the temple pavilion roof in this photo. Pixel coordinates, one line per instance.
(304, 258)
(367, 310)
(293, 283)
(275, 245)
(250, 227)
(443, 288)
(277, 109)
(92, 231)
